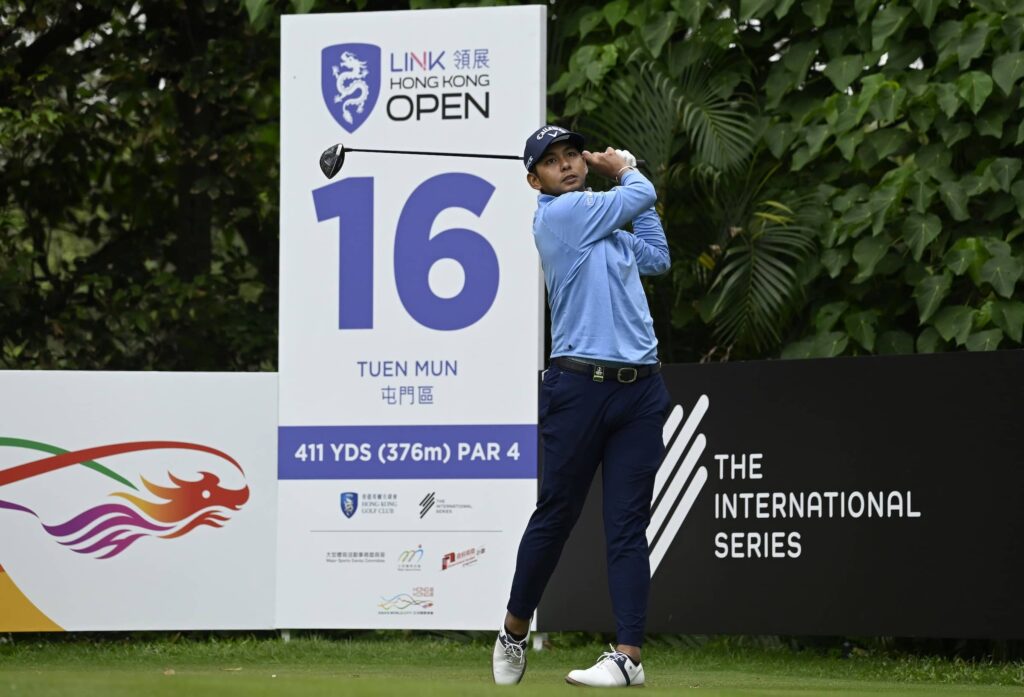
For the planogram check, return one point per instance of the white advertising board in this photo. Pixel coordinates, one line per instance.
(410, 316)
(136, 501)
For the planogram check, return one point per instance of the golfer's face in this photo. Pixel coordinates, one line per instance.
(561, 169)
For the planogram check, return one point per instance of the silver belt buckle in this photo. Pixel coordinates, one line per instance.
(622, 379)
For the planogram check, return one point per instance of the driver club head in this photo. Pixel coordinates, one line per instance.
(332, 159)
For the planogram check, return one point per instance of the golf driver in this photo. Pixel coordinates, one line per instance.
(334, 157)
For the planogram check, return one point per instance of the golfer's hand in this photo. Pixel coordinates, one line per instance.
(608, 163)
(628, 157)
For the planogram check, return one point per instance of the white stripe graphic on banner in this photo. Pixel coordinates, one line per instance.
(682, 440)
(678, 492)
(677, 518)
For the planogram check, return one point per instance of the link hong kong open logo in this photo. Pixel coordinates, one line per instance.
(105, 529)
(350, 81)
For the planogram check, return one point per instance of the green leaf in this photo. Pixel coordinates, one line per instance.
(919, 231)
(798, 349)
(589, 22)
(926, 9)
(303, 6)
(946, 97)
(959, 260)
(974, 88)
(972, 44)
(954, 323)
(255, 9)
(929, 341)
(848, 143)
(946, 39)
(1007, 69)
(800, 158)
(844, 70)
(815, 136)
(798, 57)
(886, 23)
(1003, 171)
(929, 292)
(923, 116)
(782, 9)
(829, 345)
(867, 253)
(863, 9)
(861, 326)
(1008, 315)
(887, 141)
(817, 10)
(953, 133)
(658, 30)
(888, 104)
(779, 137)
(615, 12)
(990, 124)
(1002, 272)
(1018, 194)
(955, 198)
(755, 8)
(895, 342)
(995, 246)
(987, 340)
(834, 260)
(921, 193)
(828, 315)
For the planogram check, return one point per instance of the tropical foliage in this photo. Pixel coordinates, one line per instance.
(836, 176)
(889, 137)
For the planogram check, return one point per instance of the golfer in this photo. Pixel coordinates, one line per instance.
(602, 399)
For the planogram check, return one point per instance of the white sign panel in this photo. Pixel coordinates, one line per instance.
(411, 320)
(135, 501)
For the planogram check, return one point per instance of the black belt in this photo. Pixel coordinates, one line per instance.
(600, 370)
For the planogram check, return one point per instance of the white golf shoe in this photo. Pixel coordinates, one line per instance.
(613, 669)
(508, 662)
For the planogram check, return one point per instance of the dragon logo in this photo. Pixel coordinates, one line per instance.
(108, 529)
(349, 503)
(350, 79)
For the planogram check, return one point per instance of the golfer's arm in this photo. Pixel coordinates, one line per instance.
(586, 217)
(649, 244)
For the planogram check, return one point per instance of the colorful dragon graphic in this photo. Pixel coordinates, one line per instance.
(108, 529)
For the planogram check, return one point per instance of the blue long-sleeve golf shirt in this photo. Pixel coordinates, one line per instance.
(592, 269)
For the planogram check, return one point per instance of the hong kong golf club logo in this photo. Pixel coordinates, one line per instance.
(349, 503)
(674, 488)
(350, 79)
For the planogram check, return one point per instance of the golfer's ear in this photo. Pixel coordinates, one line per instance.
(533, 180)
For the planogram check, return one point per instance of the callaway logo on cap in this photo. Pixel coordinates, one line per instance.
(543, 138)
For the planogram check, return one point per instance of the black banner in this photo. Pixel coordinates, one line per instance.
(849, 496)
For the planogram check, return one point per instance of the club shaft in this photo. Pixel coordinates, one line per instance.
(450, 154)
(441, 154)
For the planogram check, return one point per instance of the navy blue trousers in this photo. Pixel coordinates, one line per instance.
(582, 424)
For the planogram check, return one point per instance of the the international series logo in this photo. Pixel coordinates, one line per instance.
(680, 480)
(422, 84)
(426, 503)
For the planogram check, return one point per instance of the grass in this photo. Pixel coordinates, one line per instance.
(398, 664)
